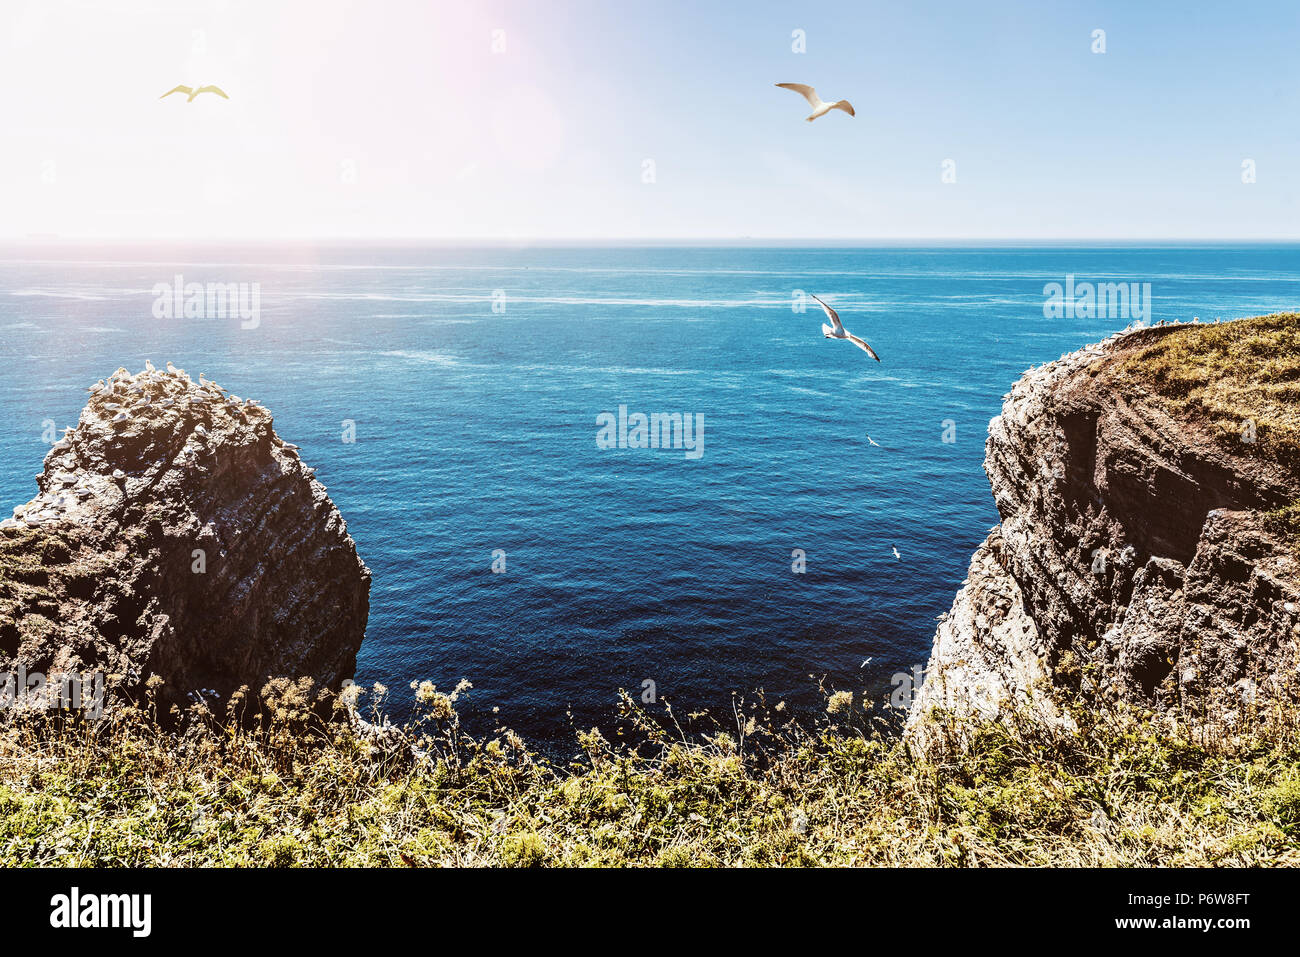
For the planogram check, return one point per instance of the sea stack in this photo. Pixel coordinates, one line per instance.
(173, 535)
(1147, 552)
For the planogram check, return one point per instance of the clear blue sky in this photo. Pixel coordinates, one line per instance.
(548, 139)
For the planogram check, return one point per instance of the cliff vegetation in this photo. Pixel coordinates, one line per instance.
(277, 782)
(1228, 374)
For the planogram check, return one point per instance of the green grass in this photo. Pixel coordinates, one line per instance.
(1240, 380)
(289, 787)
(1285, 521)
(1226, 375)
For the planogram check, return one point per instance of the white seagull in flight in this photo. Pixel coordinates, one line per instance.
(820, 106)
(192, 92)
(839, 332)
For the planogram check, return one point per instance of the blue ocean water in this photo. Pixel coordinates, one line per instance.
(475, 378)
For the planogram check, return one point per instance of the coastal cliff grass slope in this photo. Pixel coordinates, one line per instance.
(1226, 375)
(293, 779)
(1239, 379)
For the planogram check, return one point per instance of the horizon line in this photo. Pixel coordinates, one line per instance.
(847, 241)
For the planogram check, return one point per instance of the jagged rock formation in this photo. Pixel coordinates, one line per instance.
(1134, 559)
(175, 534)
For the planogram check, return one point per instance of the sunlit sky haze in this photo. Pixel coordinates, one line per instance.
(574, 119)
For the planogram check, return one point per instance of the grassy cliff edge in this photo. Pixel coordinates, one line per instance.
(274, 783)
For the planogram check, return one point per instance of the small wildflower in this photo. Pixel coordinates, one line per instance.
(441, 707)
(350, 695)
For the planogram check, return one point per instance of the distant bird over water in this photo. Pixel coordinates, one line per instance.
(195, 91)
(839, 332)
(820, 106)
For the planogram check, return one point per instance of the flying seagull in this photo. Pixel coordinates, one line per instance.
(896, 555)
(873, 441)
(195, 91)
(820, 106)
(839, 332)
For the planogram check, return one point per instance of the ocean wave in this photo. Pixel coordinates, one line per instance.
(545, 300)
(816, 393)
(436, 358)
(53, 294)
(619, 370)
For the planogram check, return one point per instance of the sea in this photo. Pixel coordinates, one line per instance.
(473, 412)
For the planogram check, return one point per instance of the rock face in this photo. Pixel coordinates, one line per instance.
(1132, 561)
(176, 535)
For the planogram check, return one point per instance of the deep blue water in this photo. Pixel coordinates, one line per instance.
(476, 431)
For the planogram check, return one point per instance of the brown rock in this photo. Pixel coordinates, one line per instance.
(175, 534)
(1136, 543)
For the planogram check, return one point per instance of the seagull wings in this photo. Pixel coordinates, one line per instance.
(844, 105)
(180, 89)
(805, 90)
(862, 344)
(222, 93)
(832, 314)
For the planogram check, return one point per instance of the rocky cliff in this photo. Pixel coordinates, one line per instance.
(1144, 553)
(175, 534)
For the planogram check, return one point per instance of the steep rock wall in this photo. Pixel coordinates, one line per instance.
(175, 534)
(1133, 559)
